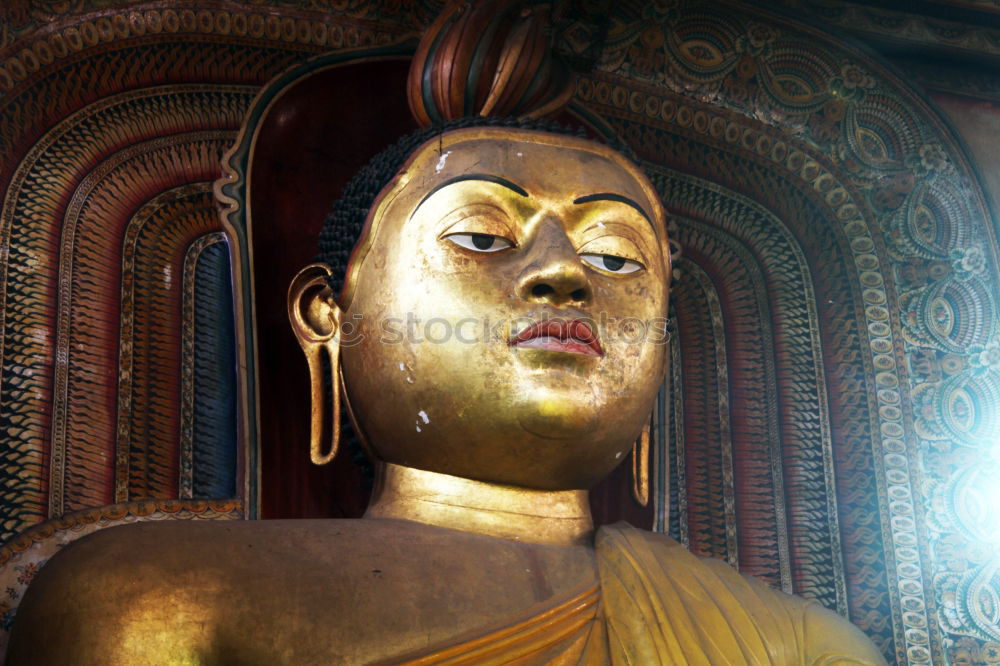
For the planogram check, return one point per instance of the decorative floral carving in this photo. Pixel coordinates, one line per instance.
(759, 36)
(968, 262)
(964, 652)
(853, 77)
(983, 359)
(932, 157)
(647, 55)
(26, 573)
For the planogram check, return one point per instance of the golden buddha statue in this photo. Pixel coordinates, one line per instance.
(532, 256)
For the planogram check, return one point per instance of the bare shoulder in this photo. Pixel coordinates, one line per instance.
(262, 592)
(150, 591)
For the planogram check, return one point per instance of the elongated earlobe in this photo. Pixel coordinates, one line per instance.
(315, 318)
(640, 467)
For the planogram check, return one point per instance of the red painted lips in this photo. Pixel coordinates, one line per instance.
(573, 337)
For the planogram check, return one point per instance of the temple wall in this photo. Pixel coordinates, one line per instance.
(977, 122)
(831, 420)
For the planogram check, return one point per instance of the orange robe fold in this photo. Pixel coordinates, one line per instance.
(564, 631)
(656, 603)
(663, 605)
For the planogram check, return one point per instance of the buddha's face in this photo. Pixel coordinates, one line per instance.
(505, 310)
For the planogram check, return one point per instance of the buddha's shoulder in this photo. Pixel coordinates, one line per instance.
(178, 552)
(262, 591)
(185, 546)
(128, 584)
(139, 577)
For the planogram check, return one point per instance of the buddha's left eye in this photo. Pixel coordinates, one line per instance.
(611, 263)
(480, 242)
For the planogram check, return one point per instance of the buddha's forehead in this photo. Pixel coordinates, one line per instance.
(546, 165)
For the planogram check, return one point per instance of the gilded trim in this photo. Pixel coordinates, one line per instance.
(725, 430)
(46, 193)
(126, 348)
(62, 352)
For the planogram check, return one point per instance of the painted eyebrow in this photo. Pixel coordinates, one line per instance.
(489, 178)
(611, 196)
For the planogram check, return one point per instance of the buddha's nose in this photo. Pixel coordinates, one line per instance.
(554, 273)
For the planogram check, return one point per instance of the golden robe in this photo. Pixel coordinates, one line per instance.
(656, 603)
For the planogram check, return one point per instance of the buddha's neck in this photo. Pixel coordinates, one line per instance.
(557, 517)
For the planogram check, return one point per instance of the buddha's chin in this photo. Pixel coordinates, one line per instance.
(553, 414)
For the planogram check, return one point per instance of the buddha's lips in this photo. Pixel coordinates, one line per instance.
(574, 337)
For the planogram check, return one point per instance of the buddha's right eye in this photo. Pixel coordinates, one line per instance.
(480, 242)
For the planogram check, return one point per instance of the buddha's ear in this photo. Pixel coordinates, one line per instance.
(312, 310)
(315, 318)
